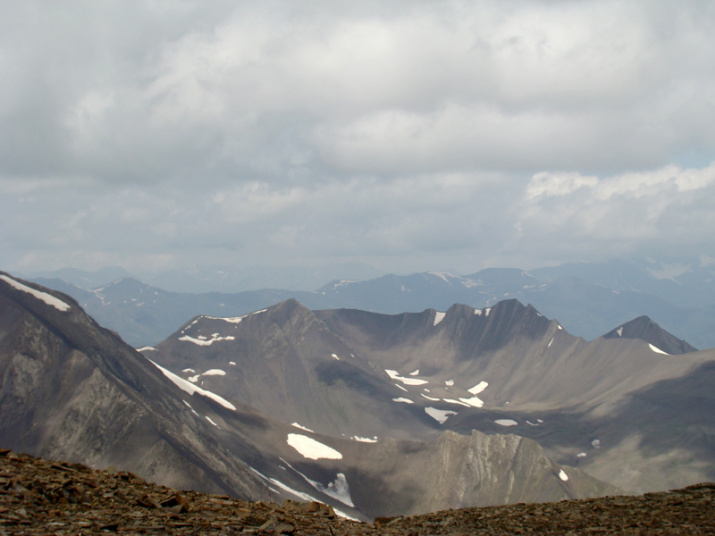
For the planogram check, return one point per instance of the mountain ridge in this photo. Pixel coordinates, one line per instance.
(585, 308)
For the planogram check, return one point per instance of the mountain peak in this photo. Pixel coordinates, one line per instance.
(645, 329)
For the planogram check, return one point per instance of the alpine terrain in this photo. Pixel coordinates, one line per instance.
(72, 390)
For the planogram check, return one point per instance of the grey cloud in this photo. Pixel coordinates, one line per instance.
(136, 132)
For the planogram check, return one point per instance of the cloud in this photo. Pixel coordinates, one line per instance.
(569, 217)
(402, 134)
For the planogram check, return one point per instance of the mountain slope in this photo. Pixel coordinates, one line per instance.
(62, 376)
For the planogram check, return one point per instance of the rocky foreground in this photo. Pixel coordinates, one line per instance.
(44, 497)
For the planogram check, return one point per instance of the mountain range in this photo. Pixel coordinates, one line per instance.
(589, 299)
(376, 414)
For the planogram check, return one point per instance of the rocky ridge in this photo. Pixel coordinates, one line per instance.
(38, 496)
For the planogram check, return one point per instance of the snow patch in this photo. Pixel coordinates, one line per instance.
(619, 331)
(475, 401)
(581, 455)
(202, 340)
(190, 388)
(49, 299)
(506, 422)
(372, 439)
(192, 409)
(342, 514)
(550, 342)
(335, 357)
(438, 317)
(439, 415)
(442, 275)
(146, 349)
(429, 397)
(400, 387)
(301, 427)
(214, 372)
(209, 419)
(478, 388)
(194, 379)
(233, 319)
(281, 485)
(403, 399)
(657, 350)
(338, 489)
(596, 443)
(563, 476)
(187, 370)
(232, 363)
(459, 402)
(407, 381)
(415, 372)
(449, 383)
(487, 311)
(477, 312)
(312, 449)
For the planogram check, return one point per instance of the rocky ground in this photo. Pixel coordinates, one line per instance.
(44, 497)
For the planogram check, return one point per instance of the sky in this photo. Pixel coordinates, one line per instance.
(409, 136)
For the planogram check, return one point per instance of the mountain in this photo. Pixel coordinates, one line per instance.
(687, 281)
(144, 315)
(224, 279)
(585, 308)
(505, 368)
(72, 390)
(645, 329)
(84, 279)
(63, 376)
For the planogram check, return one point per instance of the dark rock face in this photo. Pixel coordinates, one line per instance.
(645, 329)
(40, 497)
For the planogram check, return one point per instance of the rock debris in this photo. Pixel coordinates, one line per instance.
(39, 496)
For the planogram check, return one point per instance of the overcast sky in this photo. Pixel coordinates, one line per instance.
(410, 136)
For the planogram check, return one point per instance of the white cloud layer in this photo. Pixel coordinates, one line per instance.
(423, 135)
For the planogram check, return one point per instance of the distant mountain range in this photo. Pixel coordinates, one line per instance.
(588, 299)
